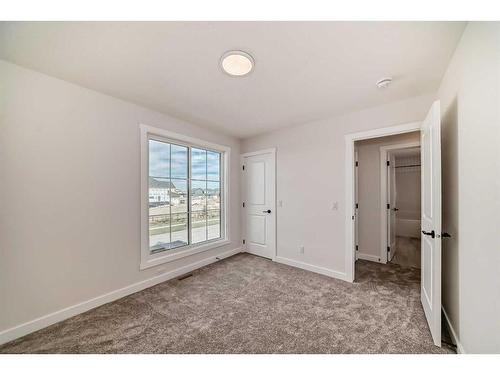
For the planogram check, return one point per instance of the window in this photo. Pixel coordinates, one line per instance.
(184, 195)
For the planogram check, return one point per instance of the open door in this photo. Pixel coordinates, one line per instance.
(391, 208)
(431, 220)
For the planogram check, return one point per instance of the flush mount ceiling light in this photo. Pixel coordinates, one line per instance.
(384, 82)
(237, 63)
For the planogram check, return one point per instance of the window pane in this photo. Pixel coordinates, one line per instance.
(179, 163)
(198, 226)
(178, 196)
(172, 186)
(159, 195)
(159, 159)
(179, 230)
(213, 166)
(159, 232)
(213, 224)
(198, 198)
(159, 214)
(213, 195)
(198, 164)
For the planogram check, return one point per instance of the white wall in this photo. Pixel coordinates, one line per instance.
(69, 194)
(408, 186)
(311, 174)
(470, 107)
(369, 191)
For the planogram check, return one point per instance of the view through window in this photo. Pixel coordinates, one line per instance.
(184, 195)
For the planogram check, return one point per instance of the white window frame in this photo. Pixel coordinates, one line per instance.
(150, 260)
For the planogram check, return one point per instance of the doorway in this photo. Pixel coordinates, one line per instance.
(259, 202)
(376, 190)
(400, 189)
(430, 274)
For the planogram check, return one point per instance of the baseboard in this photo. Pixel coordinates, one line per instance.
(372, 258)
(454, 336)
(312, 268)
(68, 312)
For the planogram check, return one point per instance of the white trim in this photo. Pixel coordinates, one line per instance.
(271, 151)
(148, 260)
(350, 249)
(260, 152)
(68, 312)
(356, 201)
(183, 138)
(371, 258)
(384, 193)
(185, 252)
(312, 268)
(454, 336)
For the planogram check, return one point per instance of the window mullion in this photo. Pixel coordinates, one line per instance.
(189, 226)
(170, 193)
(206, 197)
(221, 195)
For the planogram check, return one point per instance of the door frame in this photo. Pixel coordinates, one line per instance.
(356, 208)
(350, 204)
(384, 219)
(271, 151)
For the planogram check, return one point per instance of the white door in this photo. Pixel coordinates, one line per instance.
(259, 196)
(431, 220)
(391, 208)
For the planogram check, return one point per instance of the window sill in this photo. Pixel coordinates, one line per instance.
(172, 255)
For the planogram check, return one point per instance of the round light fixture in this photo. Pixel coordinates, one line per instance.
(237, 63)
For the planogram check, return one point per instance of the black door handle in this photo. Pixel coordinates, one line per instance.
(267, 212)
(396, 209)
(431, 233)
(445, 235)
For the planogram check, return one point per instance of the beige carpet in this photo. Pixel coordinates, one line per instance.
(247, 304)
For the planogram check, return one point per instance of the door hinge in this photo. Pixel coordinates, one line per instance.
(357, 164)
(357, 205)
(388, 249)
(243, 204)
(357, 247)
(388, 163)
(243, 167)
(243, 242)
(388, 206)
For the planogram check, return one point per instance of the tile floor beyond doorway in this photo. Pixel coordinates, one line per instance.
(407, 252)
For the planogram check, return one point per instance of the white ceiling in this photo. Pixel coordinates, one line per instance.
(304, 71)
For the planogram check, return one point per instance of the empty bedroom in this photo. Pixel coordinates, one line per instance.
(249, 187)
